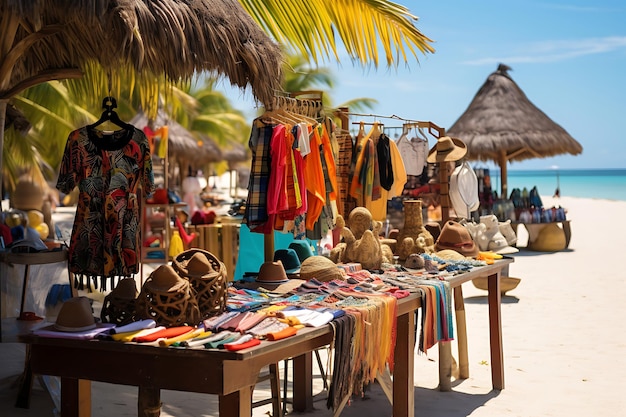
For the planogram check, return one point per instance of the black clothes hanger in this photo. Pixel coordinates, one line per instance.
(110, 115)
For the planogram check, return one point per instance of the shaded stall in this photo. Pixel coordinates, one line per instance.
(51, 40)
(501, 124)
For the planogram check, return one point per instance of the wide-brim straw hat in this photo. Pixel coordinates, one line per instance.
(414, 261)
(165, 279)
(456, 237)
(447, 149)
(272, 273)
(75, 316)
(320, 268)
(198, 263)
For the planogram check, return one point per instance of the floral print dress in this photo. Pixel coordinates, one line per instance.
(108, 168)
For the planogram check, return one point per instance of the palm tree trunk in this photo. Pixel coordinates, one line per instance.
(3, 116)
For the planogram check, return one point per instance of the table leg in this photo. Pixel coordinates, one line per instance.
(403, 369)
(461, 331)
(149, 402)
(303, 382)
(75, 397)
(495, 331)
(24, 287)
(236, 404)
(445, 366)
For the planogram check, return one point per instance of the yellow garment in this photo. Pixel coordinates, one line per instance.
(200, 332)
(176, 244)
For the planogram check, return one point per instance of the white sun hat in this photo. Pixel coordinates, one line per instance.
(464, 190)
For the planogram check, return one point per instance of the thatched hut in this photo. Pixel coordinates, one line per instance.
(501, 124)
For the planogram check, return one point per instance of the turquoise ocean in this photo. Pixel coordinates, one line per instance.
(608, 184)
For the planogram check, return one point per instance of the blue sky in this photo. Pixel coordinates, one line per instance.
(569, 57)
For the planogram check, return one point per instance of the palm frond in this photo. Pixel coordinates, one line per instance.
(314, 28)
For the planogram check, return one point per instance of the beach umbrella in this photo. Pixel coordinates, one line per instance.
(501, 125)
(49, 40)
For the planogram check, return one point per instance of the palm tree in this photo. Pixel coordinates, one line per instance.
(311, 29)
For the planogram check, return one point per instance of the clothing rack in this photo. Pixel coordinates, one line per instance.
(308, 104)
(433, 129)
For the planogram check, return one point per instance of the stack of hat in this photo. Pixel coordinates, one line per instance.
(207, 276)
(456, 237)
(168, 299)
(290, 260)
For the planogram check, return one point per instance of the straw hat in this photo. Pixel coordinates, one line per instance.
(456, 237)
(197, 263)
(302, 248)
(289, 258)
(449, 255)
(447, 149)
(414, 261)
(75, 316)
(165, 279)
(272, 273)
(320, 268)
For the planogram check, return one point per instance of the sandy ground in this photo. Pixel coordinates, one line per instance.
(563, 333)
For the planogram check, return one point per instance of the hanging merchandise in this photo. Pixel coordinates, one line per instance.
(464, 190)
(293, 180)
(109, 168)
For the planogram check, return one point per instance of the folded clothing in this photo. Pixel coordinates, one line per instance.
(163, 334)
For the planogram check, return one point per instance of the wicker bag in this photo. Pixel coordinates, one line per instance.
(207, 276)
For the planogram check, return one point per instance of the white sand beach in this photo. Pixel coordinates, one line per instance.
(564, 342)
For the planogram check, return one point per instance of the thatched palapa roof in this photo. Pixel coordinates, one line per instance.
(178, 39)
(501, 124)
(47, 40)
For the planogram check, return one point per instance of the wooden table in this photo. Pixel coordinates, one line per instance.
(493, 273)
(232, 375)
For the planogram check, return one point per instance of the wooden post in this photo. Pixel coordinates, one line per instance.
(503, 175)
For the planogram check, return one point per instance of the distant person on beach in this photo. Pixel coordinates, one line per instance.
(557, 193)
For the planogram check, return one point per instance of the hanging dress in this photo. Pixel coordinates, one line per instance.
(108, 169)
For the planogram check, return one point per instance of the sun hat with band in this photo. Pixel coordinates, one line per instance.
(455, 236)
(75, 316)
(272, 273)
(302, 248)
(320, 268)
(290, 260)
(447, 149)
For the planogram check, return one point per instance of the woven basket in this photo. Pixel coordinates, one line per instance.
(119, 305)
(208, 277)
(168, 299)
